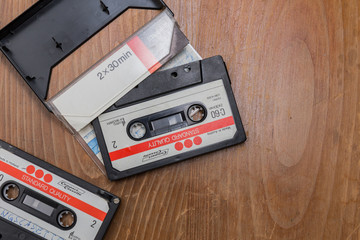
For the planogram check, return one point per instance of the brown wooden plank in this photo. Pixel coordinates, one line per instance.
(295, 69)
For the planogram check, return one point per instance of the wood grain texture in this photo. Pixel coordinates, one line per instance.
(295, 70)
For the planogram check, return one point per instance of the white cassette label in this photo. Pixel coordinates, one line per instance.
(115, 75)
(219, 125)
(90, 209)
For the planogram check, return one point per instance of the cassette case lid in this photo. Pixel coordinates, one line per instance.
(118, 72)
(50, 30)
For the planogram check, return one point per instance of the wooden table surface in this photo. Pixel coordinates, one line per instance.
(295, 69)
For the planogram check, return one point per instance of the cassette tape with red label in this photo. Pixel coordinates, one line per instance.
(40, 201)
(171, 116)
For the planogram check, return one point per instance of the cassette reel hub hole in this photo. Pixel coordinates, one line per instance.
(66, 219)
(174, 74)
(137, 130)
(196, 113)
(11, 192)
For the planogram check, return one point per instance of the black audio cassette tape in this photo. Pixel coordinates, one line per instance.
(40, 201)
(171, 116)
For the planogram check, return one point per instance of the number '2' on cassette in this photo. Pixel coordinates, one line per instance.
(171, 116)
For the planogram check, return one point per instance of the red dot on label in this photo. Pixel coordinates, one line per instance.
(197, 140)
(48, 178)
(188, 143)
(30, 169)
(179, 146)
(39, 173)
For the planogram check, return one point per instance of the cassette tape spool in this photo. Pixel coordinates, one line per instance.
(171, 116)
(40, 201)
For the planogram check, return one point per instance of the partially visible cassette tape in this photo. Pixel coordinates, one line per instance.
(40, 201)
(171, 116)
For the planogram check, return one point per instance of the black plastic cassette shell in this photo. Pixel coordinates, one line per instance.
(161, 84)
(71, 178)
(50, 30)
(10, 231)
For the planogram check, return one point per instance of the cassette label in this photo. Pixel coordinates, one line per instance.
(218, 126)
(46, 204)
(105, 77)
